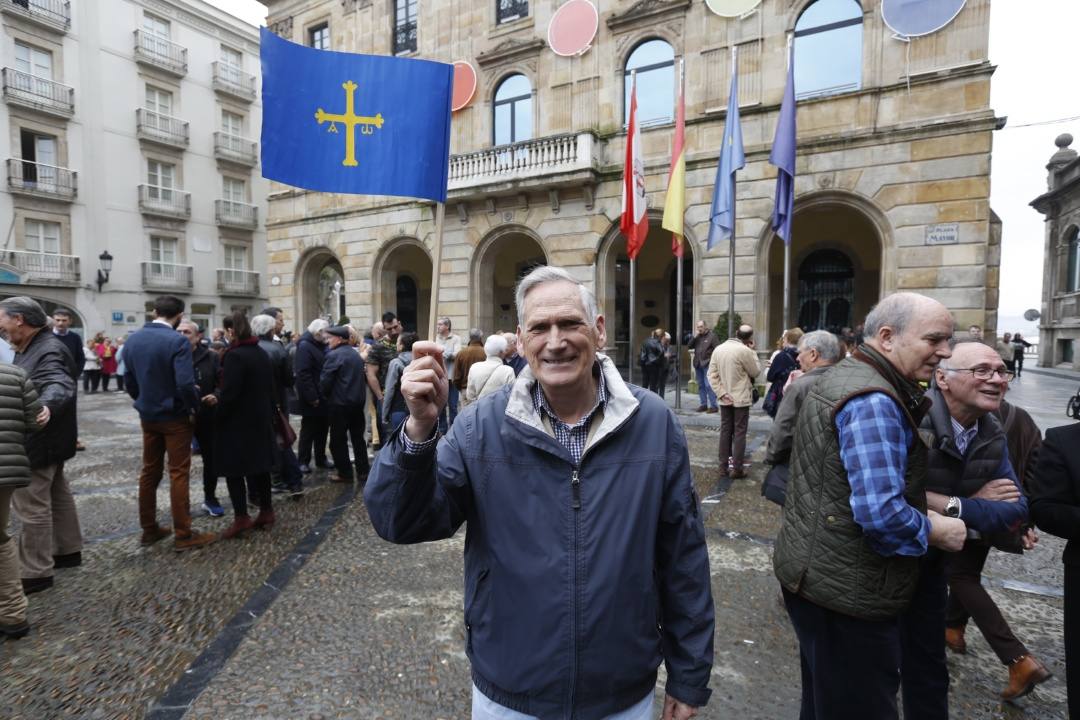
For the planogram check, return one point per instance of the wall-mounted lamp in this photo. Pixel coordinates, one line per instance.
(106, 267)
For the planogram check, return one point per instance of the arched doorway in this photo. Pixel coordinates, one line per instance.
(502, 259)
(404, 284)
(838, 254)
(656, 297)
(320, 292)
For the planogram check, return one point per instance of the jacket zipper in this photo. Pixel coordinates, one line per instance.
(575, 491)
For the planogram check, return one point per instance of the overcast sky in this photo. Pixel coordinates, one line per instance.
(1033, 45)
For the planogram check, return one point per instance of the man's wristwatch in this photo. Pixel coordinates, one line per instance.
(952, 508)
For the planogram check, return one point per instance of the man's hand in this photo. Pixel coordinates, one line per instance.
(946, 533)
(1030, 539)
(425, 389)
(209, 400)
(1000, 490)
(726, 399)
(43, 416)
(675, 710)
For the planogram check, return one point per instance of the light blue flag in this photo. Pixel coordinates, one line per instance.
(348, 123)
(783, 158)
(732, 159)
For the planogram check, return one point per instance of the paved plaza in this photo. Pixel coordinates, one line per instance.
(321, 619)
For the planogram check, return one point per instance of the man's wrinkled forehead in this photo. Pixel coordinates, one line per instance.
(560, 297)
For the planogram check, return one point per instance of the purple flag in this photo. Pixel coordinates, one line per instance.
(783, 158)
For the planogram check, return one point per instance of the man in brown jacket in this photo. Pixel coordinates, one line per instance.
(732, 370)
(466, 358)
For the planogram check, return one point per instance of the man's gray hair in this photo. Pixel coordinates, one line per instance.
(27, 308)
(895, 311)
(475, 335)
(950, 362)
(826, 344)
(495, 346)
(446, 321)
(548, 274)
(262, 325)
(317, 325)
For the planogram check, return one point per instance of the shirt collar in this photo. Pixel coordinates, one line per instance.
(963, 436)
(164, 322)
(540, 401)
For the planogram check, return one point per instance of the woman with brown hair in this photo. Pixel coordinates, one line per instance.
(244, 435)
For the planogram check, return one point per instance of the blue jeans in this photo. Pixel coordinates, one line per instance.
(484, 708)
(450, 411)
(704, 389)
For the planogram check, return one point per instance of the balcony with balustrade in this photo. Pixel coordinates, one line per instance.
(48, 14)
(37, 93)
(228, 213)
(235, 149)
(161, 129)
(39, 180)
(160, 53)
(233, 81)
(238, 283)
(549, 162)
(36, 268)
(164, 202)
(167, 276)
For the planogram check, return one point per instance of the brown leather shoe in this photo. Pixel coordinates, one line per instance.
(341, 479)
(954, 640)
(149, 537)
(193, 541)
(264, 520)
(1024, 675)
(712, 410)
(738, 474)
(241, 524)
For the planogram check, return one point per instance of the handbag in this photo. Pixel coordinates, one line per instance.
(283, 431)
(774, 487)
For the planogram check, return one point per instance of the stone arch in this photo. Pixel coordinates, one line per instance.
(312, 299)
(833, 211)
(494, 274)
(611, 279)
(404, 256)
(798, 8)
(78, 319)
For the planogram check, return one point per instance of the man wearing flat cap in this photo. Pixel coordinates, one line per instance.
(344, 385)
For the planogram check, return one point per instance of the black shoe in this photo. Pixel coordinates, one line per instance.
(296, 492)
(16, 631)
(33, 585)
(278, 489)
(325, 464)
(69, 560)
(306, 469)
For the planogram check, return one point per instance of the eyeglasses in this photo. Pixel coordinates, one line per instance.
(986, 373)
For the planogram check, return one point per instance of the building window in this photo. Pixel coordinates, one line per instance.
(404, 26)
(39, 159)
(231, 66)
(653, 63)
(319, 36)
(232, 123)
(233, 190)
(42, 237)
(828, 48)
(33, 61)
(158, 100)
(163, 256)
(235, 264)
(156, 26)
(513, 117)
(507, 10)
(161, 177)
(1072, 272)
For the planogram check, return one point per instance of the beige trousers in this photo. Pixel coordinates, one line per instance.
(50, 523)
(12, 599)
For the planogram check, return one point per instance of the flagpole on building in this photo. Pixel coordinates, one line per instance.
(436, 269)
(734, 222)
(633, 271)
(679, 271)
(787, 241)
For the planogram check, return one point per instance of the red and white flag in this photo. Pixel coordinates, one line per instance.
(634, 223)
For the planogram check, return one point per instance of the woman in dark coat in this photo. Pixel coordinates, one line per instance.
(244, 436)
(314, 420)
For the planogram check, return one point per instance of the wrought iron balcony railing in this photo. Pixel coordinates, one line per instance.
(40, 180)
(155, 127)
(50, 14)
(236, 214)
(167, 276)
(233, 148)
(43, 268)
(160, 53)
(237, 282)
(507, 10)
(38, 93)
(164, 201)
(233, 81)
(405, 38)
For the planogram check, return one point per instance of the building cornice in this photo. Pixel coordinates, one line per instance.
(207, 20)
(647, 12)
(510, 50)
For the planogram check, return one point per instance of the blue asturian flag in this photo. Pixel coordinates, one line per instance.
(783, 158)
(732, 159)
(348, 123)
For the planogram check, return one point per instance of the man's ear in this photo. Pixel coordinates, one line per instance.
(887, 337)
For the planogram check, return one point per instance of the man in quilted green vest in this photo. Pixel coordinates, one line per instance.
(856, 531)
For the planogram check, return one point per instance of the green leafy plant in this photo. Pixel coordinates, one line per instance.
(721, 327)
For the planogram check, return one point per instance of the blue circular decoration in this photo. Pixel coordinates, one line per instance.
(912, 18)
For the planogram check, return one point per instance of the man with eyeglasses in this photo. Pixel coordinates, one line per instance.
(970, 476)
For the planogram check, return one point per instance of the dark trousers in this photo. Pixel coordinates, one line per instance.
(313, 431)
(650, 377)
(1019, 360)
(119, 382)
(850, 666)
(346, 423)
(1072, 638)
(105, 381)
(204, 435)
(257, 485)
(90, 380)
(380, 426)
(924, 673)
(969, 599)
(733, 423)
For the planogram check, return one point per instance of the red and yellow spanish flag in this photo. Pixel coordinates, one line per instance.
(675, 201)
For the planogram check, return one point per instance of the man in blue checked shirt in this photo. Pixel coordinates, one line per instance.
(857, 549)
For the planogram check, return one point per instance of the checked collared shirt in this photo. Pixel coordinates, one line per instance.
(572, 437)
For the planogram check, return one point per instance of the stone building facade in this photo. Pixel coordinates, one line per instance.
(1059, 326)
(893, 172)
(127, 129)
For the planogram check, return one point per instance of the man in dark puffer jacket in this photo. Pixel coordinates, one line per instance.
(20, 414)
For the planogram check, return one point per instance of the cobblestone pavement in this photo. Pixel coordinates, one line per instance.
(321, 619)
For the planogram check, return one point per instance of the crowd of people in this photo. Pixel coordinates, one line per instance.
(896, 458)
